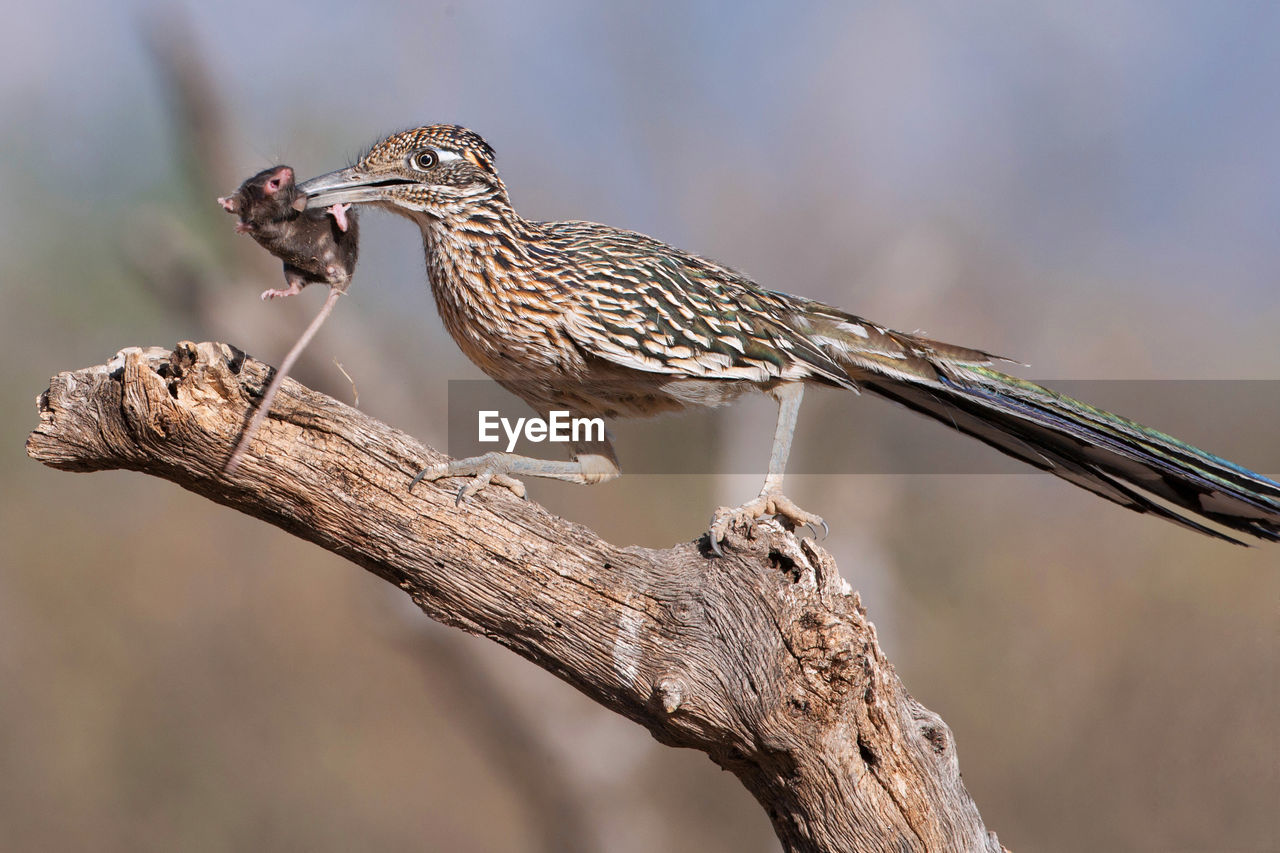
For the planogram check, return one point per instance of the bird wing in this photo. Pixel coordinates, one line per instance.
(644, 305)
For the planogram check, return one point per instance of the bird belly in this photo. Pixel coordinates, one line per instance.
(613, 392)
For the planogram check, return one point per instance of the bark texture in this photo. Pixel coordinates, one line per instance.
(763, 659)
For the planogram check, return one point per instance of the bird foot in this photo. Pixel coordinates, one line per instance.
(481, 471)
(775, 505)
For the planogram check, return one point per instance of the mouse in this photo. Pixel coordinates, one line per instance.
(317, 246)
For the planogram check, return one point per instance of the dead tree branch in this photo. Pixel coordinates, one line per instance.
(763, 659)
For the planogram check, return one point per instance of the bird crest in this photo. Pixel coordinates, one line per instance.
(444, 137)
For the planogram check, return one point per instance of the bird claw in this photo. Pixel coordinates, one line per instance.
(777, 506)
(826, 531)
(480, 471)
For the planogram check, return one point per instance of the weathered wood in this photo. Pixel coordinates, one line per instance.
(763, 659)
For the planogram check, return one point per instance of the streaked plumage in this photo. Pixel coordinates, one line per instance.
(613, 323)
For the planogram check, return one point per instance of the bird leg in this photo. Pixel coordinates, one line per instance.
(593, 462)
(771, 501)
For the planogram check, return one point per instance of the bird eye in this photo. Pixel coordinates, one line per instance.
(424, 159)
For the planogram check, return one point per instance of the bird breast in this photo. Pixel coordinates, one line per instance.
(504, 323)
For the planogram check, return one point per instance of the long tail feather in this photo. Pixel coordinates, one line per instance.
(1121, 460)
(1111, 456)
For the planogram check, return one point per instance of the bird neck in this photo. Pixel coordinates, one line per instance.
(474, 252)
(477, 262)
(477, 225)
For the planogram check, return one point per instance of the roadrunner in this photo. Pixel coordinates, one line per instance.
(609, 323)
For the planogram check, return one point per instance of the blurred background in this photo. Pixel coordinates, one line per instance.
(1092, 188)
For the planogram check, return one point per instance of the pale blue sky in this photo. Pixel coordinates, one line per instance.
(1123, 141)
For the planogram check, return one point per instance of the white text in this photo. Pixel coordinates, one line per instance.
(558, 426)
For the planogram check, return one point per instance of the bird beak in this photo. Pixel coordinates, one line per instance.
(346, 186)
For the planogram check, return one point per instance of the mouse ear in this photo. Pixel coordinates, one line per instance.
(300, 203)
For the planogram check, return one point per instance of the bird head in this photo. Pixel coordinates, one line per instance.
(440, 170)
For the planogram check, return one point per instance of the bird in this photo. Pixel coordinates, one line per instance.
(605, 322)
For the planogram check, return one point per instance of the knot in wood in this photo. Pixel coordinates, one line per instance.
(670, 691)
(824, 645)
